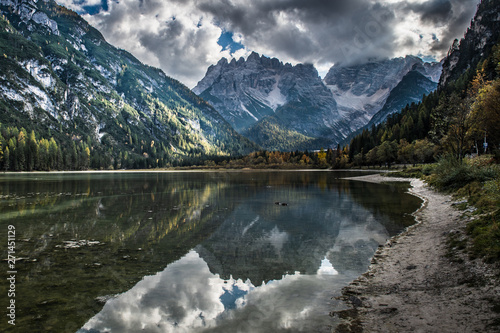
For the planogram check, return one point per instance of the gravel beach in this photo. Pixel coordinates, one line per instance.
(417, 283)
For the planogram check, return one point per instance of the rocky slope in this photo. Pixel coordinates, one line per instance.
(409, 90)
(280, 106)
(60, 78)
(246, 91)
(478, 41)
(362, 90)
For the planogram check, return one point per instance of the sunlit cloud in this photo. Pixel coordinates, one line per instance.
(183, 37)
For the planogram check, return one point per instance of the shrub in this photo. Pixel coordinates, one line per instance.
(451, 173)
(428, 169)
(486, 237)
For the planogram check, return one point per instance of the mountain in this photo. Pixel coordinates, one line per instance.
(246, 91)
(276, 105)
(62, 80)
(285, 107)
(362, 90)
(478, 41)
(457, 117)
(409, 90)
(412, 87)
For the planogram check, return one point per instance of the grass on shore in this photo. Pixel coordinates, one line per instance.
(475, 183)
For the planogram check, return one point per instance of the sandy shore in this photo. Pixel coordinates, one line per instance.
(416, 283)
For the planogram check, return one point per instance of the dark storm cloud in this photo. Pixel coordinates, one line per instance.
(452, 15)
(434, 11)
(308, 31)
(181, 36)
(250, 16)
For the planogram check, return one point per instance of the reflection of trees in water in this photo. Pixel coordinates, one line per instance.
(167, 214)
(142, 225)
(262, 242)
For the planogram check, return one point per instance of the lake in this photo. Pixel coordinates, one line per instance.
(247, 251)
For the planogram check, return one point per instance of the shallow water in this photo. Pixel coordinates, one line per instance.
(191, 251)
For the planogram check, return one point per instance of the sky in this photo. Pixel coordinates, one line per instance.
(185, 37)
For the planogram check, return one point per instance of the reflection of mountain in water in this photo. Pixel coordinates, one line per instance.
(142, 222)
(262, 241)
(186, 297)
(266, 268)
(138, 224)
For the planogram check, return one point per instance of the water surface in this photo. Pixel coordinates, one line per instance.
(191, 251)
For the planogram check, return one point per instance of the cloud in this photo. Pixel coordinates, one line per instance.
(434, 11)
(313, 31)
(169, 35)
(181, 37)
(443, 20)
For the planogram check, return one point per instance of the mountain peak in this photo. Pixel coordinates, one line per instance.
(365, 88)
(222, 62)
(70, 79)
(254, 56)
(263, 87)
(261, 94)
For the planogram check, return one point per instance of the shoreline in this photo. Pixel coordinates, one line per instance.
(190, 170)
(418, 283)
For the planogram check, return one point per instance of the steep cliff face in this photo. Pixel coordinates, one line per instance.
(362, 90)
(60, 77)
(285, 107)
(308, 119)
(480, 37)
(410, 90)
(246, 91)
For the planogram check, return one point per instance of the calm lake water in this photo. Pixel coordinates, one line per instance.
(190, 251)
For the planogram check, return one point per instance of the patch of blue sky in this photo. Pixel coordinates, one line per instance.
(227, 42)
(92, 9)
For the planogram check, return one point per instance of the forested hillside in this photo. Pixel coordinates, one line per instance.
(458, 118)
(457, 128)
(69, 100)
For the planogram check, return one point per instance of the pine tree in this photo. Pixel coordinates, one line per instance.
(86, 158)
(6, 158)
(32, 153)
(53, 155)
(13, 155)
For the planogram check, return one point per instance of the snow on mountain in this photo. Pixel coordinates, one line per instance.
(362, 90)
(265, 98)
(269, 101)
(245, 91)
(61, 79)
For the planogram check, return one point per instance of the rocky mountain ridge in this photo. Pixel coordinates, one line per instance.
(409, 90)
(61, 78)
(285, 107)
(362, 90)
(246, 91)
(477, 43)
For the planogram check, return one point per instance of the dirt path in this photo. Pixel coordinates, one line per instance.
(416, 284)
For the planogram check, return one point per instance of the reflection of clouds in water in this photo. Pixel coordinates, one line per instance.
(296, 303)
(186, 297)
(181, 298)
(250, 225)
(351, 232)
(326, 268)
(357, 241)
(276, 238)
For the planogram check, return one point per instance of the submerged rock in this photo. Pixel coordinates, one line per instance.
(73, 244)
